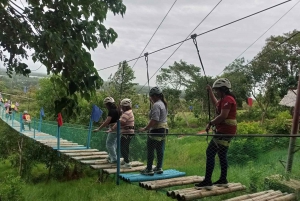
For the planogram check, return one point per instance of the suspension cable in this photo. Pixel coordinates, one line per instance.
(214, 29)
(154, 33)
(146, 59)
(194, 37)
(262, 35)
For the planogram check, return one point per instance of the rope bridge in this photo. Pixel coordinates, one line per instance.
(77, 143)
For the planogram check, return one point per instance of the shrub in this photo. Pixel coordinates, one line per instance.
(250, 128)
(11, 188)
(244, 150)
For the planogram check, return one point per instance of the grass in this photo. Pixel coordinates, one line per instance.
(184, 154)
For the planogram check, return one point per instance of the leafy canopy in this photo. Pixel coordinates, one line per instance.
(59, 33)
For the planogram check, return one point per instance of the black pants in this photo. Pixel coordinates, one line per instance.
(125, 142)
(153, 145)
(211, 151)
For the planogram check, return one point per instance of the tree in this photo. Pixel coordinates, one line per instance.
(182, 75)
(59, 33)
(275, 69)
(120, 84)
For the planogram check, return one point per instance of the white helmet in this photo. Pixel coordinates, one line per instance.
(222, 82)
(108, 100)
(25, 112)
(155, 91)
(126, 102)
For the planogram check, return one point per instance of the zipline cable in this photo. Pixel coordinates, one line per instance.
(262, 34)
(287, 39)
(146, 59)
(187, 38)
(224, 25)
(154, 33)
(194, 37)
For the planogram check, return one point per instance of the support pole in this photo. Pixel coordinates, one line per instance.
(34, 128)
(118, 151)
(295, 129)
(88, 143)
(21, 122)
(58, 137)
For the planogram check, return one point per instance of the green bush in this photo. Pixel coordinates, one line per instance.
(250, 128)
(11, 188)
(279, 125)
(243, 150)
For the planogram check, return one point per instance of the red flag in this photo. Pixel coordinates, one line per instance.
(250, 102)
(59, 119)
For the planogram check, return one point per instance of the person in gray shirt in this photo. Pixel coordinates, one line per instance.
(157, 128)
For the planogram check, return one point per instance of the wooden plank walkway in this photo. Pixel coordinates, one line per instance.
(92, 157)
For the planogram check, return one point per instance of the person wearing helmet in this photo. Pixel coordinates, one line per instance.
(112, 118)
(26, 120)
(157, 128)
(127, 130)
(226, 126)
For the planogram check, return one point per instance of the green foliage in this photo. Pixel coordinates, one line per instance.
(60, 45)
(121, 82)
(243, 150)
(250, 128)
(279, 125)
(11, 188)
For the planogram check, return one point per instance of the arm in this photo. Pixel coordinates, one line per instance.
(221, 117)
(151, 123)
(122, 123)
(211, 95)
(105, 123)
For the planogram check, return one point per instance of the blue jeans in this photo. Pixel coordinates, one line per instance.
(111, 146)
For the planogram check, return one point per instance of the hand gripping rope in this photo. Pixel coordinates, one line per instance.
(194, 36)
(146, 59)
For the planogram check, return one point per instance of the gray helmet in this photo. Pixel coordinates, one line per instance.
(155, 91)
(222, 82)
(108, 100)
(126, 102)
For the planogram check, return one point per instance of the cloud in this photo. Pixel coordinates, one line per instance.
(218, 48)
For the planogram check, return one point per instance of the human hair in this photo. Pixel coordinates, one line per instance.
(126, 108)
(162, 98)
(227, 92)
(111, 106)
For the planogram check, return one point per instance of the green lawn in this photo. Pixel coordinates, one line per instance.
(184, 154)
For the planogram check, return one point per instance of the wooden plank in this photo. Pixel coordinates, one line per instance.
(83, 153)
(64, 145)
(84, 150)
(109, 165)
(89, 157)
(133, 169)
(95, 162)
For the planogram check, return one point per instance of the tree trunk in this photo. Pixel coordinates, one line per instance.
(20, 145)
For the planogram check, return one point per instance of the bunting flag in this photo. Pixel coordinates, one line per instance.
(42, 112)
(96, 113)
(59, 119)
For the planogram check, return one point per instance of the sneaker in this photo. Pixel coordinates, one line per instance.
(204, 184)
(123, 162)
(147, 172)
(126, 166)
(158, 170)
(111, 161)
(221, 183)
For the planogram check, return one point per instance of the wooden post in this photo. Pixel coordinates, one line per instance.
(295, 128)
(118, 151)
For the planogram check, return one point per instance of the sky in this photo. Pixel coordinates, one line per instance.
(218, 48)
